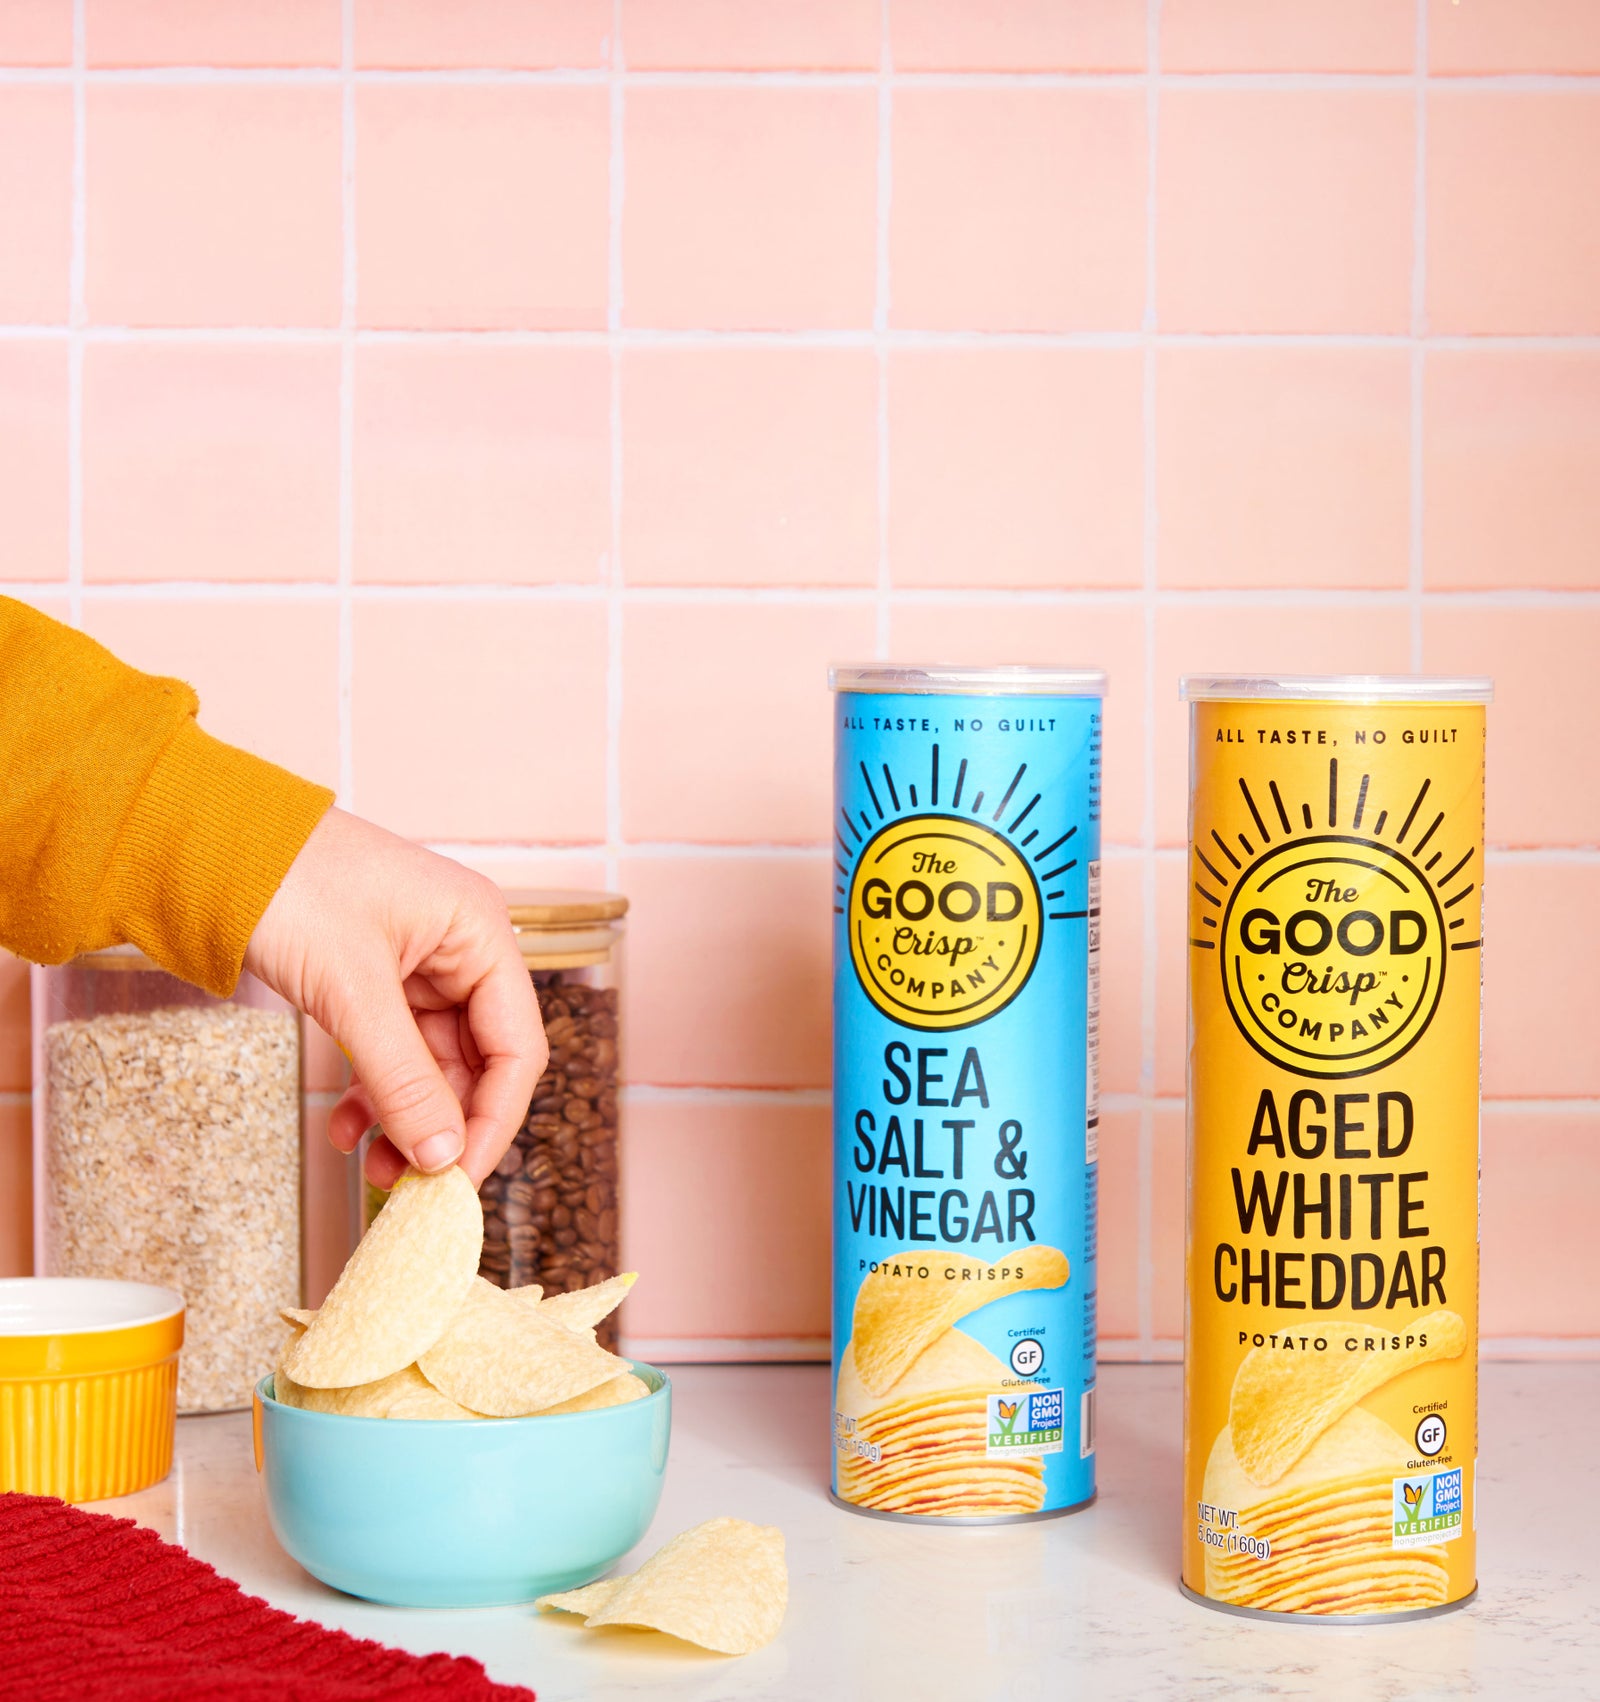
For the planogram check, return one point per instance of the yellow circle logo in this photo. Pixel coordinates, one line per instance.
(1333, 955)
(944, 921)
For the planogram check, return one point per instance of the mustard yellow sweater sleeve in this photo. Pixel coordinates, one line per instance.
(120, 821)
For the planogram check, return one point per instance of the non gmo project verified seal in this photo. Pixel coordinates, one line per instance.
(1025, 1423)
(1427, 1509)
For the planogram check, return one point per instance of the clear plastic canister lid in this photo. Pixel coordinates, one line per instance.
(1336, 688)
(941, 679)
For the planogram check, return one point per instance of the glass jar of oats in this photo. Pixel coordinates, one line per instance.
(167, 1150)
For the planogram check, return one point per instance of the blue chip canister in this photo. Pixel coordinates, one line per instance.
(966, 903)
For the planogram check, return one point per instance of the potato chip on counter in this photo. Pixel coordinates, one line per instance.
(722, 1585)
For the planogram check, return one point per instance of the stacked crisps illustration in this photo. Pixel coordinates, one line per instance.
(1309, 1475)
(913, 1398)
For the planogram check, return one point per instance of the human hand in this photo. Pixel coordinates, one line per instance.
(409, 962)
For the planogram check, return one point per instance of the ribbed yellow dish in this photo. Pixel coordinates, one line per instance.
(88, 1385)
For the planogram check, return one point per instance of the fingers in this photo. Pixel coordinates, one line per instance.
(406, 1089)
(384, 1166)
(350, 1119)
(505, 1029)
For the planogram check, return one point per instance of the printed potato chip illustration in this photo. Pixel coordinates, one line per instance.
(966, 1102)
(1335, 945)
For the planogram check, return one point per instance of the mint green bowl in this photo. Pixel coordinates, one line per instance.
(458, 1512)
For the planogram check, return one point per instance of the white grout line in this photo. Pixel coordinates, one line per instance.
(662, 1093)
(1539, 1347)
(865, 337)
(77, 314)
(601, 590)
(880, 323)
(726, 1350)
(347, 406)
(614, 586)
(1150, 564)
(1419, 322)
(185, 76)
(1579, 856)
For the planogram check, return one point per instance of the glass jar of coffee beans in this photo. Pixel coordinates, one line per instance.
(550, 1209)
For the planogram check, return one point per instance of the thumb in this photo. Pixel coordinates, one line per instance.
(409, 1094)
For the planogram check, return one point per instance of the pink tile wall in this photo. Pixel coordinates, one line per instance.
(505, 412)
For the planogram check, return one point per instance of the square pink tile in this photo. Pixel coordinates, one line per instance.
(423, 35)
(1282, 210)
(1512, 241)
(1016, 467)
(1283, 465)
(1511, 468)
(210, 461)
(479, 464)
(732, 35)
(1121, 973)
(1543, 779)
(1168, 1206)
(1017, 209)
(1492, 37)
(1017, 35)
(16, 1064)
(482, 206)
(211, 32)
(1233, 637)
(16, 1190)
(1311, 35)
(694, 771)
(1090, 635)
(1120, 1249)
(213, 205)
(35, 203)
(266, 669)
(1541, 1259)
(728, 975)
(749, 208)
(36, 32)
(33, 460)
(1541, 928)
(481, 720)
(762, 1171)
(750, 466)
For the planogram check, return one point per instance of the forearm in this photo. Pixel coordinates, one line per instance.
(121, 821)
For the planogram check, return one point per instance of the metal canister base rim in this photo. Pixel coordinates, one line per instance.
(942, 1519)
(1328, 1618)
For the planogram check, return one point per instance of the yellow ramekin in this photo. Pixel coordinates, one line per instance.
(88, 1385)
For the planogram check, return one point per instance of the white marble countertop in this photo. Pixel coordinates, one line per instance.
(1080, 1606)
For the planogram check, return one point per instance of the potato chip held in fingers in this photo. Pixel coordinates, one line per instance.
(403, 1284)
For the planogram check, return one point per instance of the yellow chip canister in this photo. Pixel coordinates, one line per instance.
(1335, 902)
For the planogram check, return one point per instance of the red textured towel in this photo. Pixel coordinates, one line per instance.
(95, 1609)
